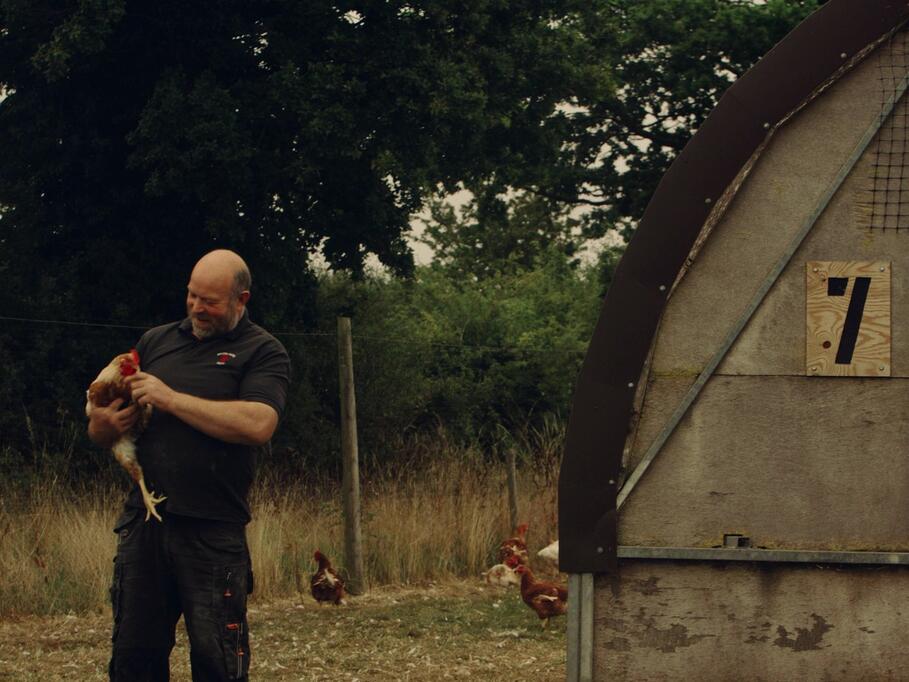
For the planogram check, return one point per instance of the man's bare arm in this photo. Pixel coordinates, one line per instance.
(233, 421)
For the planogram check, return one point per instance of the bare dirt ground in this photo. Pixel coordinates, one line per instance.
(455, 630)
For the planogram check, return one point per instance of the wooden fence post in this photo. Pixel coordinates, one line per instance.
(350, 484)
(512, 486)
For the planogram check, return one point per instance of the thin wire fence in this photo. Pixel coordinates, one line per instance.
(406, 387)
(304, 334)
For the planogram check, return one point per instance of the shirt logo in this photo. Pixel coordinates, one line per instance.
(224, 358)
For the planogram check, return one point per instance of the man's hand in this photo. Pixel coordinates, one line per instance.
(107, 424)
(148, 389)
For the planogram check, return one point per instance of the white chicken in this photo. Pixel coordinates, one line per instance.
(501, 575)
(551, 553)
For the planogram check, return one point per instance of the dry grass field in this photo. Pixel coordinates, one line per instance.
(439, 519)
(450, 630)
(429, 529)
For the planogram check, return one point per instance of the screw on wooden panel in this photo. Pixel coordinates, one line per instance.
(612, 480)
(630, 384)
(707, 200)
(842, 55)
(662, 287)
(814, 369)
(599, 550)
(766, 126)
(815, 269)
(881, 368)
(883, 268)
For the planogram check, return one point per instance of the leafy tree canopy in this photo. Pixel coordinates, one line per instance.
(282, 127)
(137, 135)
(276, 126)
(663, 66)
(672, 60)
(490, 235)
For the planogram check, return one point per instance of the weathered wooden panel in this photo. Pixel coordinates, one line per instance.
(800, 162)
(663, 395)
(792, 462)
(750, 623)
(847, 310)
(798, 165)
(774, 341)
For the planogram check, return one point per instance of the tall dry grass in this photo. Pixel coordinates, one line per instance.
(441, 514)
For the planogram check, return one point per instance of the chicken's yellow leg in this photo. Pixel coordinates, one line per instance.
(150, 501)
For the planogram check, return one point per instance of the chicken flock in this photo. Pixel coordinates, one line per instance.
(547, 599)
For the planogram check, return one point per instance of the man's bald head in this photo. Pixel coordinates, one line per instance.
(217, 293)
(223, 263)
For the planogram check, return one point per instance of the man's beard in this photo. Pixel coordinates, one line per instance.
(217, 326)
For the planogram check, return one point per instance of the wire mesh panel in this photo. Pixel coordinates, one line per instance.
(884, 204)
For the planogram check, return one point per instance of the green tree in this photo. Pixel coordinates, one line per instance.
(137, 135)
(444, 350)
(671, 60)
(494, 234)
(668, 63)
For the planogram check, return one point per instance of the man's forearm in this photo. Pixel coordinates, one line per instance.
(233, 421)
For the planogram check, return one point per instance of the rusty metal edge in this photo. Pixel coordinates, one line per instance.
(810, 56)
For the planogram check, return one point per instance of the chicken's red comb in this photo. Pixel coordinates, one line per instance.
(129, 363)
(318, 556)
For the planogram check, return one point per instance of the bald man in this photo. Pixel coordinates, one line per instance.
(218, 385)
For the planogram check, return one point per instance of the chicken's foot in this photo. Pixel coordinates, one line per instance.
(150, 501)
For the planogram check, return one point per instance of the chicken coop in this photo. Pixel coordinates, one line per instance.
(734, 491)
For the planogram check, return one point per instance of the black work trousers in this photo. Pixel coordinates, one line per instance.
(182, 566)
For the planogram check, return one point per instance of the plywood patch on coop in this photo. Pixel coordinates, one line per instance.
(848, 318)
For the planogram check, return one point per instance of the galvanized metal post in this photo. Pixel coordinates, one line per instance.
(586, 649)
(573, 632)
(581, 596)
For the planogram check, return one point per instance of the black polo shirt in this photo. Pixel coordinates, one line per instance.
(202, 476)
